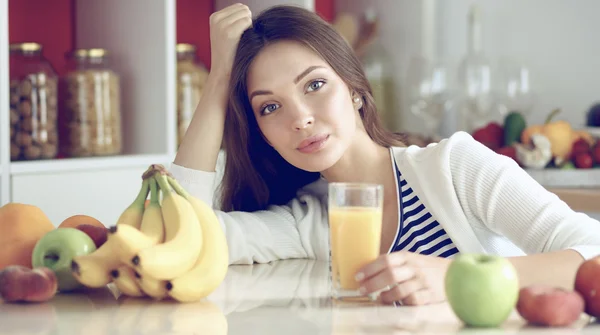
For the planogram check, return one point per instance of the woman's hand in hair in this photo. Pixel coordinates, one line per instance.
(226, 28)
(405, 277)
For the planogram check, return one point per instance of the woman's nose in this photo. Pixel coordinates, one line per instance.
(303, 118)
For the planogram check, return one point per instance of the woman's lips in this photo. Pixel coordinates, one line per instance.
(313, 144)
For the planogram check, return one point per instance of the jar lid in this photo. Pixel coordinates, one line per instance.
(97, 53)
(26, 46)
(88, 53)
(185, 47)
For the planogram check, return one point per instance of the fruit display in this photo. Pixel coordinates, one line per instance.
(553, 144)
(550, 306)
(22, 284)
(21, 226)
(588, 285)
(170, 247)
(56, 250)
(482, 290)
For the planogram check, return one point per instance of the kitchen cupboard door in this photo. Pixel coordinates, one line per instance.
(102, 194)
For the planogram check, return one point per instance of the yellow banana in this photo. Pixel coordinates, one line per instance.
(211, 267)
(152, 287)
(124, 280)
(183, 238)
(132, 215)
(153, 225)
(93, 270)
(128, 242)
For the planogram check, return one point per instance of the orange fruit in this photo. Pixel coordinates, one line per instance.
(21, 226)
(76, 220)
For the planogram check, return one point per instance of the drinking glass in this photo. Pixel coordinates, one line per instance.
(355, 220)
(430, 92)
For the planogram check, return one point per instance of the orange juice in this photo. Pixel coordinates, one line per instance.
(355, 242)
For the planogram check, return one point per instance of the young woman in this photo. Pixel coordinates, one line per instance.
(292, 105)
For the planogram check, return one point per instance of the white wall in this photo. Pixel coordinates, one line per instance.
(555, 38)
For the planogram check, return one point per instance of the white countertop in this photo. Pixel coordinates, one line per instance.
(287, 297)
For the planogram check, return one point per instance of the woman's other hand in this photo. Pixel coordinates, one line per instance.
(226, 28)
(412, 279)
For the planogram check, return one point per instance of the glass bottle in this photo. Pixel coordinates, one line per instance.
(191, 77)
(480, 102)
(378, 67)
(90, 116)
(33, 104)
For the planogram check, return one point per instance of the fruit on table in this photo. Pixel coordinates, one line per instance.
(492, 135)
(482, 290)
(158, 236)
(183, 236)
(549, 306)
(98, 234)
(56, 250)
(124, 280)
(21, 284)
(559, 133)
(94, 270)
(535, 155)
(583, 134)
(79, 219)
(21, 226)
(588, 285)
(514, 125)
(584, 161)
(580, 146)
(596, 152)
(211, 267)
(593, 116)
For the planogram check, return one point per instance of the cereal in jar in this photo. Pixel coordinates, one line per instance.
(33, 104)
(191, 77)
(90, 114)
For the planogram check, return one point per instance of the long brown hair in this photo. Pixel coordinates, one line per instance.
(255, 174)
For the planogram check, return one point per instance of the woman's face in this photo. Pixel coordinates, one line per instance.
(301, 105)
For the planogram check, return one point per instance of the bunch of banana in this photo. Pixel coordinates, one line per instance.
(173, 247)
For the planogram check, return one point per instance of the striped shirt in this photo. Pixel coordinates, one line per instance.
(418, 231)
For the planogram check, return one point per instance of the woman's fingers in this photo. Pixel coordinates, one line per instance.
(380, 264)
(388, 277)
(401, 291)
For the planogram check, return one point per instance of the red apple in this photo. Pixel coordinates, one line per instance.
(549, 306)
(99, 235)
(580, 146)
(596, 152)
(583, 161)
(587, 283)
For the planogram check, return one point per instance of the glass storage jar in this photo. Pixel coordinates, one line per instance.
(90, 114)
(191, 76)
(33, 104)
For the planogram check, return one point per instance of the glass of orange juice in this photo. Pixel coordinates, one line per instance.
(355, 220)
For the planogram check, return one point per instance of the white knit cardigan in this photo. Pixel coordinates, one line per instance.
(485, 202)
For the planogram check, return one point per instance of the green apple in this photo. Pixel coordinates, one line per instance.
(57, 248)
(482, 290)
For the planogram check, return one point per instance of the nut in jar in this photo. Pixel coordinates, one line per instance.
(33, 104)
(90, 118)
(191, 77)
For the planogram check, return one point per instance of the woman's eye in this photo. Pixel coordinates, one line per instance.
(315, 85)
(269, 109)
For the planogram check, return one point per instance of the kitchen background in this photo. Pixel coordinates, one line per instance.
(527, 56)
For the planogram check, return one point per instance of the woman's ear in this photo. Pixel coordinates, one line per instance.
(357, 101)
